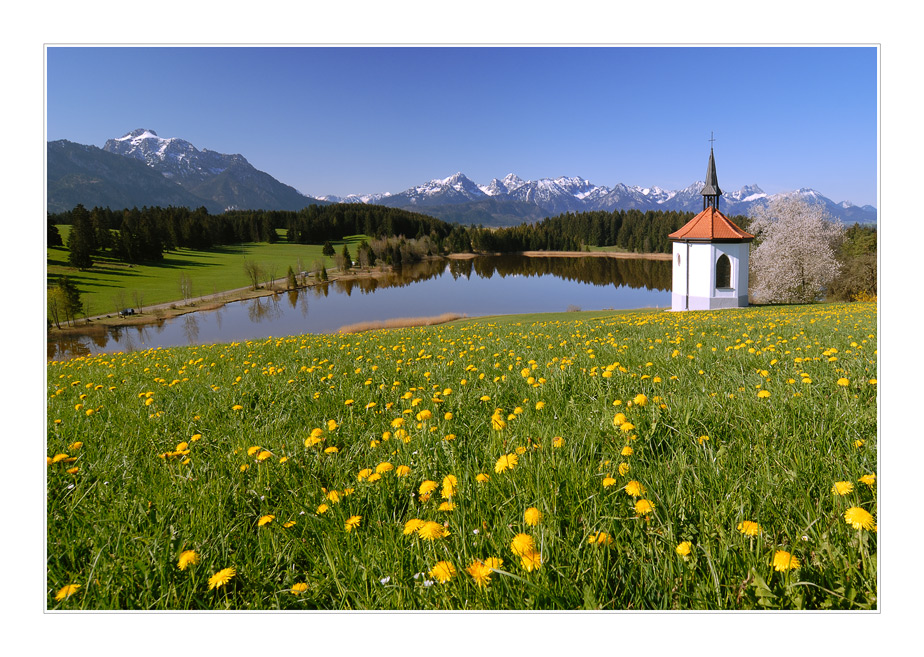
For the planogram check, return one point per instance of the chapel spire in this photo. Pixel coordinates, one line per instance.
(711, 191)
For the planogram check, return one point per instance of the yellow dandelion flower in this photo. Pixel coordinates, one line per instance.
(505, 462)
(402, 471)
(237, 407)
(702, 439)
(843, 382)
(540, 405)
(626, 451)
(626, 427)
(859, 518)
(869, 480)
(322, 508)
(683, 548)
(749, 528)
(253, 450)
(265, 520)
(298, 589)
(619, 419)
(531, 560)
(265, 454)
(623, 469)
(187, 558)
(783, 561)
(447, 416)
(331, 450)
(635, 489)
(608, 481)
(640, 400)
(600, 538)
(221, 578)
(521, 544)
(333, 496)
(412, 525)
(352, 521)
(288, 523)
(75, 446)
(431, 531)
(481, 477)
(558, 441)
(450, 484)
(842, 488)
(532, 516)
(858, 444)
(443, 571)
(447, 506)
(427, 487)
(643, 507)
(348, 402)
(364, 473)
(497, 422)
(493, 562)
(480, 572)
(383, 467)
(72, 471)
(66, 591)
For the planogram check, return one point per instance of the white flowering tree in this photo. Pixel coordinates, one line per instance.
(795, 257)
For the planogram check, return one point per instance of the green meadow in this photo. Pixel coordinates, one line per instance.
(111, 285)
(598, 460)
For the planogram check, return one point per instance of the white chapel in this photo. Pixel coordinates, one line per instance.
(710, 256)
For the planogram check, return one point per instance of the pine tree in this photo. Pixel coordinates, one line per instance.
(80, 241)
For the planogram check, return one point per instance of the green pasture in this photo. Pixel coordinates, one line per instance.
(110, 285)
(609, 460)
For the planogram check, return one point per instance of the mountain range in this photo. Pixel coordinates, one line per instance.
(141, 168)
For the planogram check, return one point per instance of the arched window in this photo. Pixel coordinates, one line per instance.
(723, 271)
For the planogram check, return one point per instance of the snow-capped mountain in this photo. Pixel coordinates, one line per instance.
(551, 196)
(229, 180)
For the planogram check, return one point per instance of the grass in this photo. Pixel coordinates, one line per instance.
(110, 285)
(730, 416)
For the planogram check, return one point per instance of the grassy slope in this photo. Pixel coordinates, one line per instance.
(211, 271)
(117, 524)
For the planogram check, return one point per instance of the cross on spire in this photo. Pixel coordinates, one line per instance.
(711, 138)
(711, 191)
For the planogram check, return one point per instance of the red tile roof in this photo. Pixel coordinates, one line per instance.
(711, 225)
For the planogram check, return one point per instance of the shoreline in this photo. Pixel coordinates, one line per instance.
(162, 312)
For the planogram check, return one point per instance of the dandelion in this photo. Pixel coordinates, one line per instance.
(869, 480)
(505, 462)
(623, 469)
(75, 446)
(763, 394)
(643, 507)
(322, 508)
(608, 481)
(447, 506)
(540, 405)
(683, 548)
(412, 526)
(265, 520)
(265, 454)
(66, 591)
(497, 422)
(702, 439)
(635, 489)
(749, 528)
(600, 538)
(626, 451)
(842, 488)
(521, 544)
(640, 400)
(288, 523)
(480, 572)
(352, 521)
(532, 516)
(626, 427)
(443, 571)
(859, 518)
(187, 558)
(450, 485)
(298, 589)
(482, 477)
(384, 467)
(73, 471)
(783, 561)
(221, 578)
(237, 407)
(558, 442)
(619, 419)
(431, 531)
(531, 560)
(843, 382)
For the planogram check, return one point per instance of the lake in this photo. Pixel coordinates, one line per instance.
(475, 287)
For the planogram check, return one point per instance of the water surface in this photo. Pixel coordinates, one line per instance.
(486, 285)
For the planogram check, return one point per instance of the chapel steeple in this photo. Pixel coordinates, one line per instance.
(711, 191)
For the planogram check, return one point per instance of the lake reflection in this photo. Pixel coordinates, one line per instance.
(486, 285)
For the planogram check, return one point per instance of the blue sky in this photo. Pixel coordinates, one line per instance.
(340, 120)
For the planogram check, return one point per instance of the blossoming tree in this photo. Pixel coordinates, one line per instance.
(795, 257)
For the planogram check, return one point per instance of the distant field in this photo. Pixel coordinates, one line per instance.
(211, 271)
